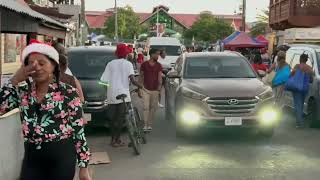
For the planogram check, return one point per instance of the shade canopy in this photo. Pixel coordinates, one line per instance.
(241, 40)
(262, 40)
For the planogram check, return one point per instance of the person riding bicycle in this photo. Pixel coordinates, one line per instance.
(118, 74)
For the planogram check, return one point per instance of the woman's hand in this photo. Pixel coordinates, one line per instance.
(22, 74)
(84, 174)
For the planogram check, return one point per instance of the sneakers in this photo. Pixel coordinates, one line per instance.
(160, 105)
(149, 128)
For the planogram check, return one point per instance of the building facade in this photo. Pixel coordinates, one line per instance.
(172, 21)
(19, 24)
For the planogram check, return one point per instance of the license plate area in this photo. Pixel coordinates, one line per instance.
(87, 116)
(233, 121)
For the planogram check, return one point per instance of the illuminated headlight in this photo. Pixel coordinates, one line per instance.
(268, 93)
(268, 116)
(192, 94)
(190, 117)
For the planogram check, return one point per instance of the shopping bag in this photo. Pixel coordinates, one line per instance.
(299, 82)
(282, 76)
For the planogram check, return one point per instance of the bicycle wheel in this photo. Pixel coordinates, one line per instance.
(140, 124)
(132, 131)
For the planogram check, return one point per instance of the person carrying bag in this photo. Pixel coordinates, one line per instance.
(282, 73)
(299, 84)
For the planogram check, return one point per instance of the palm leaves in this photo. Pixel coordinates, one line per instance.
(262, 24)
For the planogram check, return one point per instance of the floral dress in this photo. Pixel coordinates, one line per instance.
(57, 117)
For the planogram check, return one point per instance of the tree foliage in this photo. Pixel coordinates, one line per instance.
(262, 24)
(209, 28)
(128, 24)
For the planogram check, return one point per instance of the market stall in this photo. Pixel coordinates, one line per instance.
(241, 40)
(261, 39)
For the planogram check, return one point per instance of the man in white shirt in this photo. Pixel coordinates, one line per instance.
(118, 75)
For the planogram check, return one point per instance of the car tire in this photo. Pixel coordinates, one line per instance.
(180, 132)
(168, 111)
(267, 132)
(312, 115)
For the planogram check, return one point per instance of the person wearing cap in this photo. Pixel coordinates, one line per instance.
(300, 96)
(51, 117)
(282, 73)
(118, 74)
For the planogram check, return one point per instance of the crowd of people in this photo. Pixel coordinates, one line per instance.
(50, 101)
(279, 73)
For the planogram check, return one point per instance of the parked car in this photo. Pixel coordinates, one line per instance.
(171, 45)
(218, 90)
(88, 64)
(312, 102)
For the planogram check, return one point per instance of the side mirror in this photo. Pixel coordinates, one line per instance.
(261, 73)
(173, 75)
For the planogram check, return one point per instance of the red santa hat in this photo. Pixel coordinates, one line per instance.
(41, 48)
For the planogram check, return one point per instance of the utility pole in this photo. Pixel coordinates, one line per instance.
(82, 22)
(157, 21)
(244, 8)
(116, 37)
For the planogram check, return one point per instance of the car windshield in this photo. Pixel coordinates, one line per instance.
(170, 50)
(218, 67)
(89, 65)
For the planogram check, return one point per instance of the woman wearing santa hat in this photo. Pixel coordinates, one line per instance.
(51, 117)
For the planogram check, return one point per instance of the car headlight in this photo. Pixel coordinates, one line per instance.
(268, 116)
(268, 93)
(190, 117)
(192, 94)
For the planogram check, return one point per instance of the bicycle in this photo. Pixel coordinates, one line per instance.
(134, 125)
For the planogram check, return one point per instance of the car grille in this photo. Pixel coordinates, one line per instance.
(232, 105)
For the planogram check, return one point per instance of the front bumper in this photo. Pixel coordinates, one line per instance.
(209, 118)
(98, 112)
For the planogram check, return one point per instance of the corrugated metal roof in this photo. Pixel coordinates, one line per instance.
(19, 8)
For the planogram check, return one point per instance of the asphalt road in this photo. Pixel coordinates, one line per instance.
(290, 155)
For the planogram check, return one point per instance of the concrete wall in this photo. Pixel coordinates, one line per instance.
(11, 146)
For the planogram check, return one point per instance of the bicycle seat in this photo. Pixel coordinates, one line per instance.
(121, 96)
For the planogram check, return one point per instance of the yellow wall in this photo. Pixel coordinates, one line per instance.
(8, 68)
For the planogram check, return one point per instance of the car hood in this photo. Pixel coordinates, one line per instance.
(242, 87)
(92, 91)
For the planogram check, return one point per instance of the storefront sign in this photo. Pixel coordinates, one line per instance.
(302, 34)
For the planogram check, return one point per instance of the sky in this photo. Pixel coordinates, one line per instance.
(254, 7)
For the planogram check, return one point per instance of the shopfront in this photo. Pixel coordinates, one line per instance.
(19, 24)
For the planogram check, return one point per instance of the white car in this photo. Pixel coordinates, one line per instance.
(172, 46)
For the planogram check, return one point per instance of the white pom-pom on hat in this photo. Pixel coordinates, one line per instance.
(42, 48)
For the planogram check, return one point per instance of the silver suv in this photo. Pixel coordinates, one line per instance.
(218, 90)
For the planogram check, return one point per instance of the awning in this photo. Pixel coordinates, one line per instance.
(262, 40)
(17, 18)
(241, 40)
